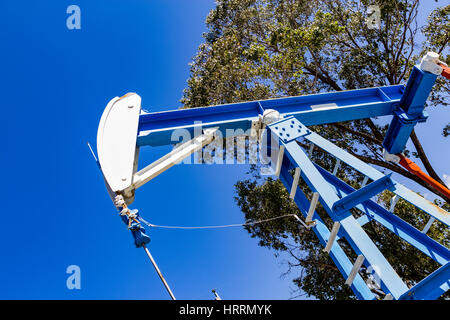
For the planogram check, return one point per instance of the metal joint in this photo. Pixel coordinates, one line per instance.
(289, 129)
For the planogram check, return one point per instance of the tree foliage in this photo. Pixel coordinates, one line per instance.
(260, 49)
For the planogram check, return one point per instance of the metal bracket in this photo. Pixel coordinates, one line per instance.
(289, 129)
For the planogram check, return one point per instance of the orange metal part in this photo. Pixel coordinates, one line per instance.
(445, 71)
(415, 169)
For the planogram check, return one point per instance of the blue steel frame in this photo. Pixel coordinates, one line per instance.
(334, 192)
(337, 198)
(156, 129)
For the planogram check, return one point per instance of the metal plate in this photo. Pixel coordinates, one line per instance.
(116, 140)
(289, 129)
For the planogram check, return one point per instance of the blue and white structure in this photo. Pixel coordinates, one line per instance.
(124, 129)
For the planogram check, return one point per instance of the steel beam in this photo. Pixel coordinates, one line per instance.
(373, 211)
(367, 170)
(363, 194)
(156, 128)
(432, 287)
(336, 253)
(351, 229)
(410, 111)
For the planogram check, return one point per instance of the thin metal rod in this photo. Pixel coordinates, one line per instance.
(92, 151)
(159, 272)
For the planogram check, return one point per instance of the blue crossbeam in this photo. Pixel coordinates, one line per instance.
(373, 211)
(369, 171)
(363, 194)
(432, 287)
(157, 128)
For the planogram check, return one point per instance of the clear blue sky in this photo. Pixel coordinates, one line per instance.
(56, 212)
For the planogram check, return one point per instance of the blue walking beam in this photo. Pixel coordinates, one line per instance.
(156, 128)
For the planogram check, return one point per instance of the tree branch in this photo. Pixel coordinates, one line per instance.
(423, 157)
(324, 78)
(357, 133)
(374, 129)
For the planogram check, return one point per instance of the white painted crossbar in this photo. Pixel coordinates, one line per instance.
(428, 225)
(175, 156)
(358, 263)
(336, 166)
(312, 207)
(393, 203)
(332, 237)
(295, 183)
(279, 161)
(363, 184)
(311, 148)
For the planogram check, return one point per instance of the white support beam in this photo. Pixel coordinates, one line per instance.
(175, 156)
(393, 203)
(366, 179)
(358, 263)
(428, 225)
(332, 237)
(336, 166)
(295, 183)
(311, 148)
(279, 161)
(312, 207)
(388, 297)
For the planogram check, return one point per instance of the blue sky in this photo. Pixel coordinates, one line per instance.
(55, 85)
